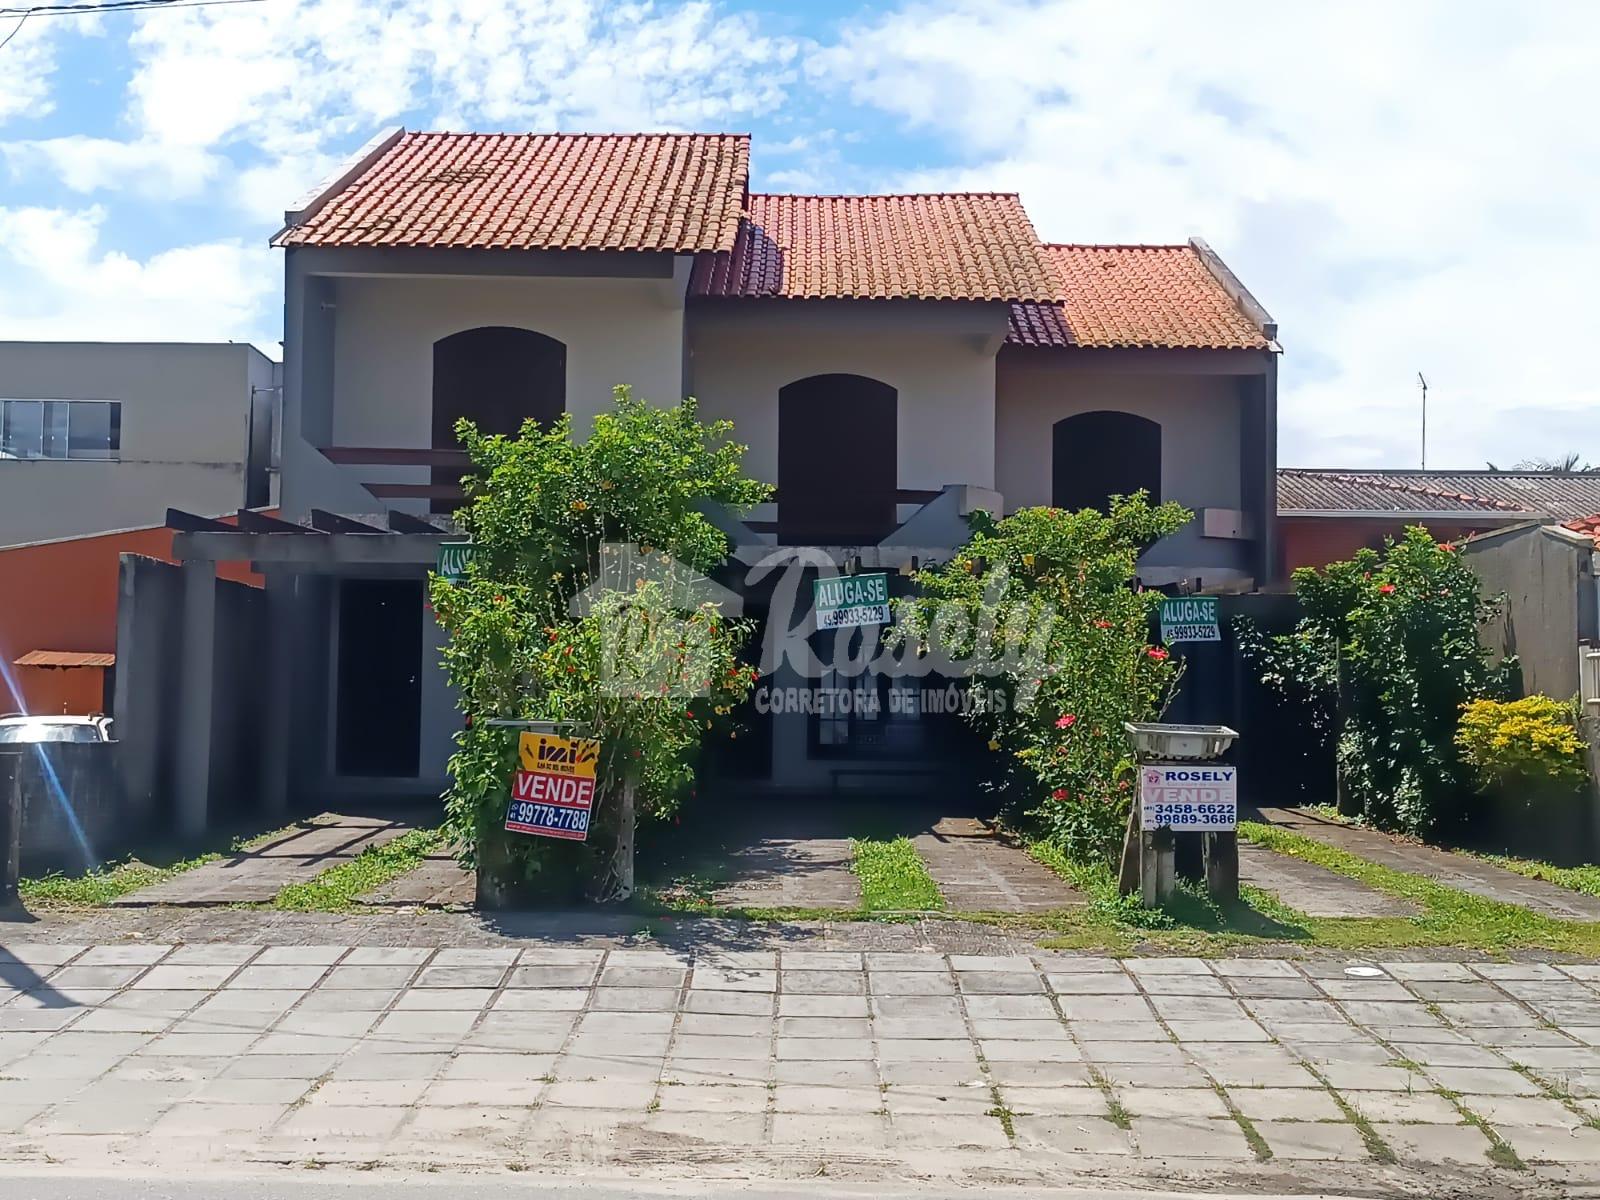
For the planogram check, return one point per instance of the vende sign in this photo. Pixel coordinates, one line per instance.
(552, 793)
(1186, 796)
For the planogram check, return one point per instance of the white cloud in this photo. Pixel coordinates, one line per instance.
(27, 66)
(61, 282)
(149, 169)
(1404, 186)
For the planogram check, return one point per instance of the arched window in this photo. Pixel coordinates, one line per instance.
(1096, 455)
(496, 377)
(837, 446)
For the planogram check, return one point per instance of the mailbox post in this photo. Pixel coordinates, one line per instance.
(1183, 787)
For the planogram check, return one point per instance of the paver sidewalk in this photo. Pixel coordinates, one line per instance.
(1460, 871)
(868, 1065)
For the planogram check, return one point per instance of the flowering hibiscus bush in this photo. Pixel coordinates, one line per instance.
(1398, 632)
(1040, 613)
(647, 671)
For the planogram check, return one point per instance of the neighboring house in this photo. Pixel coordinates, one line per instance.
(58, 617)
(1549, 616)
(1325, 516)
(893, 363)
(97, 436)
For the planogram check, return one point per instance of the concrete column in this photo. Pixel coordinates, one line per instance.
(283, 652)
(196, 674)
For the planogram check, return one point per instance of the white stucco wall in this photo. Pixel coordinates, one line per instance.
(615, 330)
(1199, 417)
(941, 364)
(185, 418)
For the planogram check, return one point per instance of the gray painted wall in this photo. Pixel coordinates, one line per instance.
(938, 357)
(1202, 440)
(1545, 577)
(185, 429)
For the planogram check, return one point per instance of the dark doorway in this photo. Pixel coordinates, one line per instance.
(1097, 455)
(380, 678)
(837, 473)
(496, 377)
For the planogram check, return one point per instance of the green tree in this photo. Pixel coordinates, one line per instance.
(1042, 608)
(646, 673)
(1401, 628)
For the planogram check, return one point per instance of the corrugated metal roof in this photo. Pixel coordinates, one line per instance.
(1561, 495)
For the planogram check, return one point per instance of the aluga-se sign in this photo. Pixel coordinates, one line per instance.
(845, 601)
(1190, 619)
(453, 560)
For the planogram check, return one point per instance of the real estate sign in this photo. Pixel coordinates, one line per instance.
(1189, 619)
(552, 793)
(1182, 796)
(845, 601)
(453, 560)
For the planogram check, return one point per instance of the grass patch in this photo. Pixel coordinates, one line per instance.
(1449, 917)
(112, 881)
(1578, 879)
(893, 877)
(336, 889)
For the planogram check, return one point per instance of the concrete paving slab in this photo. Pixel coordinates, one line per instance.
(1315, 890)
(257, 875)
(1459, 871)
(977, 871)
(1313, 1140)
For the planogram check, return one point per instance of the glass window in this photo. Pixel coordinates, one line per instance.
(55, 428)
(95, 430)
(89, 429)
(23, 435)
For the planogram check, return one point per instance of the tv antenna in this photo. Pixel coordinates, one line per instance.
(1423, 381)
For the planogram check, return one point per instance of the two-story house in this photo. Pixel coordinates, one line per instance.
(893, 362)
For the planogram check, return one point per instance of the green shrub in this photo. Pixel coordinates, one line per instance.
(1400, 629)
(1040, 611)
(1528, 743)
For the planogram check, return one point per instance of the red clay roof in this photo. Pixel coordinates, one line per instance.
(546, 191)
(1585, 525)
(957, 246)
(1115, 297)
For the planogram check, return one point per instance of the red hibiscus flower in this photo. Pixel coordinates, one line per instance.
(1386, 589)
(1066, 721)
(1157, 653)
(1059, 794)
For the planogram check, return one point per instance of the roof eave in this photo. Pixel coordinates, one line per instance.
(1395, 514)
(1237, 292)
(312, 202)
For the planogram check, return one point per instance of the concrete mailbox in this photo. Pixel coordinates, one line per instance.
(1183, 788)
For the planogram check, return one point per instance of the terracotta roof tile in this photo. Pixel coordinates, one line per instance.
(1160, 297)
(65, 658)
(548, 191)
(1589, 526)
(956, 246)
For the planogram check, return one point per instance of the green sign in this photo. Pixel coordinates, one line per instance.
(845, 601)
(1189, 619)
(453, 560)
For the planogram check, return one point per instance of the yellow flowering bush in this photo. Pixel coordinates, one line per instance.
(1521, 742)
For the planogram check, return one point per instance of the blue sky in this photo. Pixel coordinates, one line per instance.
(1406, 187)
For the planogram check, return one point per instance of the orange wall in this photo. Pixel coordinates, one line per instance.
(1318, 541)
(63, 596)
